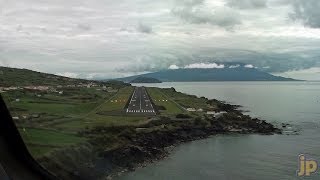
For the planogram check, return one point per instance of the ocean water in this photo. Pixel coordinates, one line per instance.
(247, 157)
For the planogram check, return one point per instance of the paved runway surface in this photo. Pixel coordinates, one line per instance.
(140, 102)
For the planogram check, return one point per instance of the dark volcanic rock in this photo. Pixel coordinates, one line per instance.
(123, 148)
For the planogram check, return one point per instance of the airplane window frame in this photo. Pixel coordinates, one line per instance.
(15, 158)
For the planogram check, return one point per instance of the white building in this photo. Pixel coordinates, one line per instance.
(15, 118)
(191, 109)
(219, 114)
(216, 114)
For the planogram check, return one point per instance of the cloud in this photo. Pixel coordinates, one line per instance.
(307, 11)
(173, 66)
(143, 28)
(249, 66)
(196, 12)
(234, 66)
(199, 66)
(84, 27)
(189, 3)
(68, 74)
(204, 66)
(304, 74)
(247, 4)
(119, 38)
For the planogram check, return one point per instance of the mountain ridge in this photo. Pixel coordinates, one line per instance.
(142, 79)
(210, 74)
(24, 77)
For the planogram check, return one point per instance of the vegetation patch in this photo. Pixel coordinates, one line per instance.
(41, 141)
(167, 106)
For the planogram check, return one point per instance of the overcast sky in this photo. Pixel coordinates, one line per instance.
(107, 39)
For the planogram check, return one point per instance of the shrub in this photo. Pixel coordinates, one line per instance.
(183, 116)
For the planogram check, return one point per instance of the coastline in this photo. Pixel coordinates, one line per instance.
(112, 151)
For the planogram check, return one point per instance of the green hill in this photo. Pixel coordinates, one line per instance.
(24, 77)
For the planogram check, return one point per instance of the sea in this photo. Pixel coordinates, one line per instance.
(247, 157)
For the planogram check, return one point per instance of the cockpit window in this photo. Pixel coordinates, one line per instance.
(171, 89)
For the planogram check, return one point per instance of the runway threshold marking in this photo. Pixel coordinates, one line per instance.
(141, 92)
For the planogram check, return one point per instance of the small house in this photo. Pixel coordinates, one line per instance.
(191, 109)
(219, 114)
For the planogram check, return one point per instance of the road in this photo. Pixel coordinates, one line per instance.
(140, 102)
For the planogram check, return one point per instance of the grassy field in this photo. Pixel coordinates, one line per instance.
(52, 119)
(49, 121)
(41, 141)
(100, 120)
(48, 137)
(161, 100)
(185, 100)
(73, 101)
(25, 77)
(117, 102)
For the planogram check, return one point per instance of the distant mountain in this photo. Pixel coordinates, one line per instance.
(213, 74)
(25, 77)
(142, 79)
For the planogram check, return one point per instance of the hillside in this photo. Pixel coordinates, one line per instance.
(142, 79)
(24, 77)
(225, 74)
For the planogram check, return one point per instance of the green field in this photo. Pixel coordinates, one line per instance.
(74, 101)
(50, 119)
(55, 117)
(109, 113)
(100, 120)
(117, 102)
(185, 100)
(176, 102)
(25, 77)
(41, 141)
(48, 137)
(160, 99)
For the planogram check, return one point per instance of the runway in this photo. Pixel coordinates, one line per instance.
(140, 102)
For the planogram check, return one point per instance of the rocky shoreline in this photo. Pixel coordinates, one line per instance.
(113, 150)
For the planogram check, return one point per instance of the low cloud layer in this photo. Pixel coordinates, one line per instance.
(209, 66)
(234, 66)
(249, 66)
(173, 66)
(110, 39)
(205, 66)
(304, 74)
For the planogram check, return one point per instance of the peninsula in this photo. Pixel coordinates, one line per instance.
(110, 127)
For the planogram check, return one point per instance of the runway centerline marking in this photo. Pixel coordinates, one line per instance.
(145, 103)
